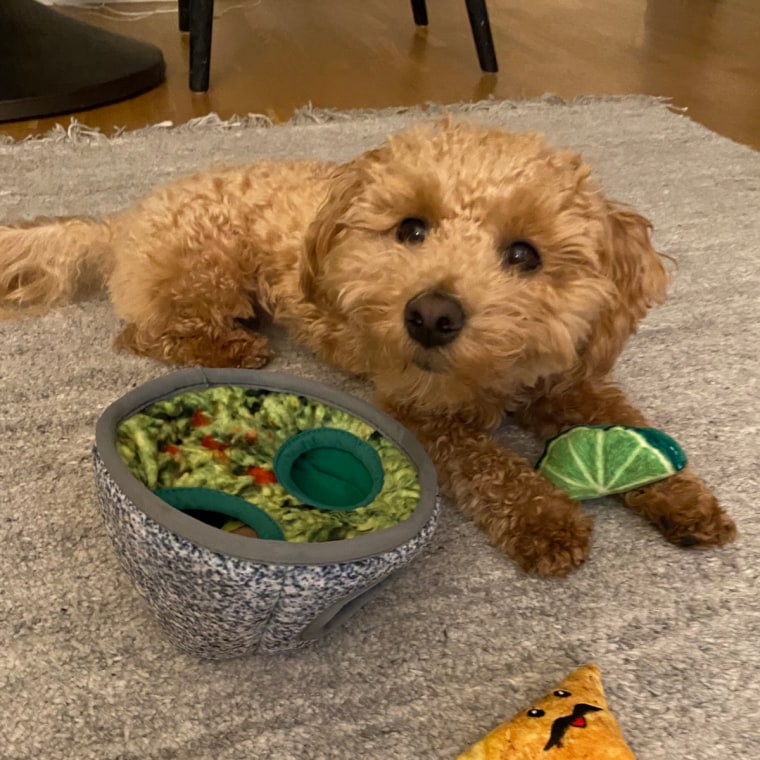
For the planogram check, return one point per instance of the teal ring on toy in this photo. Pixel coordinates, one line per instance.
(211, 500)
(329, 469)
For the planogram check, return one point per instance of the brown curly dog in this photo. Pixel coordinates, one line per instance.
(467, 272)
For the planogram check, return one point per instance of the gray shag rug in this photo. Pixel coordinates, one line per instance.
(462, 638)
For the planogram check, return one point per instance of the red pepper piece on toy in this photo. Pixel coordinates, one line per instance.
(209, 442)
(199, 419)
(261, 475)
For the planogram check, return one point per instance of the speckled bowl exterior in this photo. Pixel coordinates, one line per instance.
(218, 595)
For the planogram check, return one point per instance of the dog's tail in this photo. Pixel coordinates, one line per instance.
(51, 262)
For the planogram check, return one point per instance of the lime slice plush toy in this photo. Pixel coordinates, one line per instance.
(590, 461)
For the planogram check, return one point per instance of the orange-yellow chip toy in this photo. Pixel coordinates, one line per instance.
(572, 722)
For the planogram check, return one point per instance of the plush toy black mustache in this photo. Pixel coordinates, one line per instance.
(560, 725)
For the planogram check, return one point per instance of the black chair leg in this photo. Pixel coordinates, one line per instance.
(420, 12)
(201, 22)
(184, 15)
(481, 31)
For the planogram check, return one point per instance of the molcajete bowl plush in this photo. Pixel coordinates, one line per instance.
(256, 511)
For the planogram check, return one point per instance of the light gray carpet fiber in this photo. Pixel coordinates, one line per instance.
(462, 638)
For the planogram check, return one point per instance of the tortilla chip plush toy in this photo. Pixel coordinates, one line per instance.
(573, 722)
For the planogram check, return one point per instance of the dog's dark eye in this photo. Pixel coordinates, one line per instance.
(412, 230)
(521, 255)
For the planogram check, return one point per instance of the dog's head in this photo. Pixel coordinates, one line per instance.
(467, 263)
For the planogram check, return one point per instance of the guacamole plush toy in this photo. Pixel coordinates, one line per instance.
(591, 461)
(572, 722)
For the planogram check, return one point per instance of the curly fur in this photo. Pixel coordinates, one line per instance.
(193, 267)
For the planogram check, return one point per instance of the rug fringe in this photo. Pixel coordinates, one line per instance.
(77, 132)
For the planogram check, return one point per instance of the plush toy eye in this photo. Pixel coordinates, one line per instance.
(521, 255)
(561, 693)
(412, 230)
(536, 712)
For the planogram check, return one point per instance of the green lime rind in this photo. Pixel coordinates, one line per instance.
(590, 461)
(666, 445)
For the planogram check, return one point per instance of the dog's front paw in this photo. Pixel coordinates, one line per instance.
(251, 354)
(685, 510)
(237, 348)
(549, 537)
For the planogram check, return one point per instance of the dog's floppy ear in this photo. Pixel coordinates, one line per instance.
(345, 185)
(639, 281)
(330, 220)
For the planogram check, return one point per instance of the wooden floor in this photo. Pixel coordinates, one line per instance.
(272, 56)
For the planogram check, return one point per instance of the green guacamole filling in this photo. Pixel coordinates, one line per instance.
(226, 438)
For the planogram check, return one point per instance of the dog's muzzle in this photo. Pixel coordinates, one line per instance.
(433, 318)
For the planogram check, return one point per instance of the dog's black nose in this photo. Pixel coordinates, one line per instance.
(433, 319)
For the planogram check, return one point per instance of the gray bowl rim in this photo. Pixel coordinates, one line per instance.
(261, 550)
